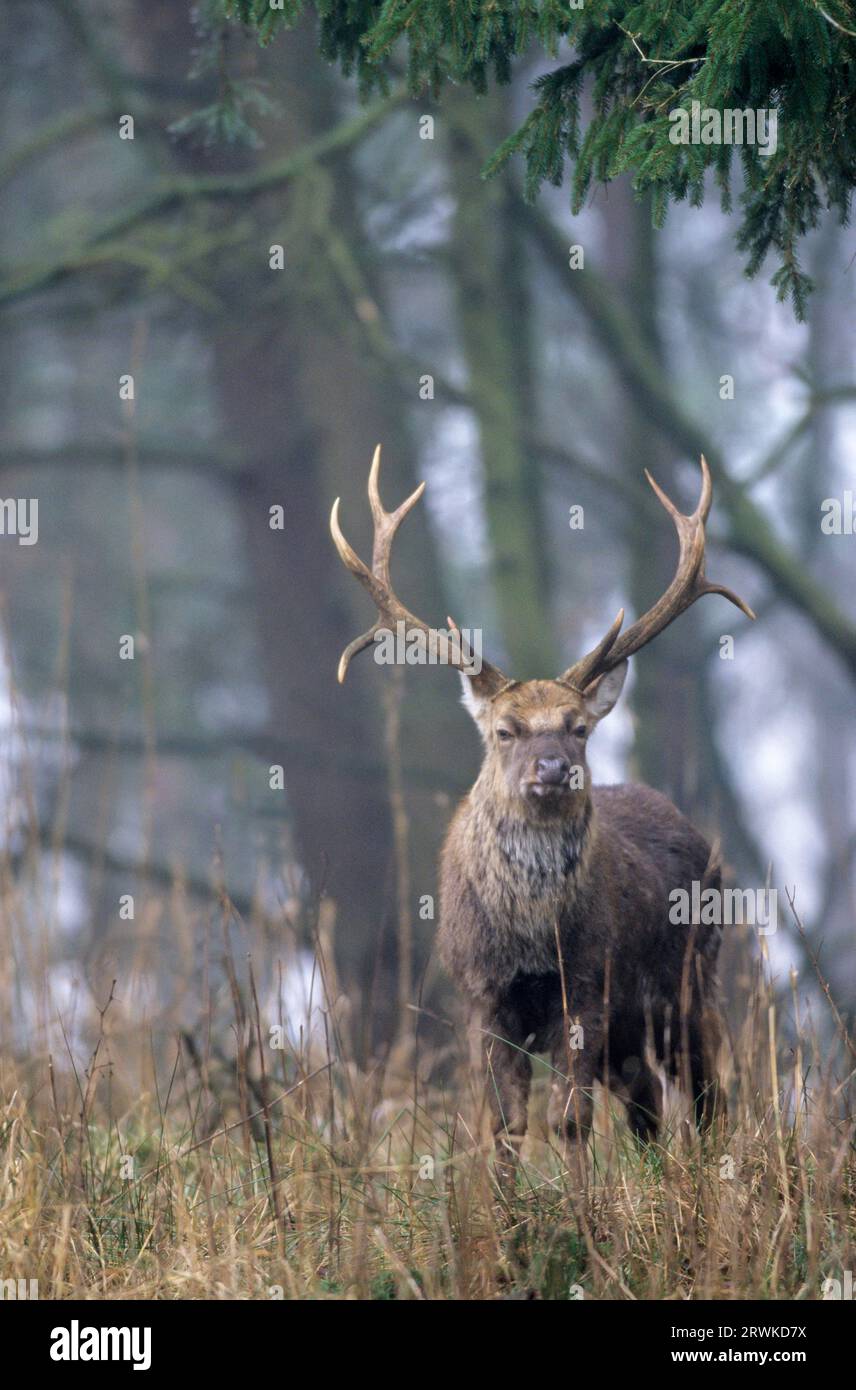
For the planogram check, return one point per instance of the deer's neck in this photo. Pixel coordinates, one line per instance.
(525, 867)
(552, 851)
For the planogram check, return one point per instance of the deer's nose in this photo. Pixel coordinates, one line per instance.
(552, 769)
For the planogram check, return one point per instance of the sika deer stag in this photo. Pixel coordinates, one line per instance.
(554, 895)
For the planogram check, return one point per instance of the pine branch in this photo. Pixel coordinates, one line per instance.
(644, 64)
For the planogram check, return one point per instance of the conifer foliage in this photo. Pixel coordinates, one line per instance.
(619, 72)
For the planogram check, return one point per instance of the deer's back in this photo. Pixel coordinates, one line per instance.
(648, 850)
(632, 816)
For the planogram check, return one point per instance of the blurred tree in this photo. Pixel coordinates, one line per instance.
(646, 62)
(668, 732)
(487, 259)
(263, 387)
(303, 406)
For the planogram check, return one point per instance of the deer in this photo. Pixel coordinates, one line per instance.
(554, 894)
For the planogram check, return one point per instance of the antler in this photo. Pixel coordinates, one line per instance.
(688, 584)
(452, 651)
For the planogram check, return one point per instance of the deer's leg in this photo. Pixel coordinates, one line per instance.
(708, 1098)
(508, 1077)
(640, 1088)
(571, 1104)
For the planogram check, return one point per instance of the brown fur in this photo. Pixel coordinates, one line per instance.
(524, 862)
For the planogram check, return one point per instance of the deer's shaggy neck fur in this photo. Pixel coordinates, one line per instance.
(523, 870)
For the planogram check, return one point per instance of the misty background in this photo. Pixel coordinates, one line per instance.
(425, 308)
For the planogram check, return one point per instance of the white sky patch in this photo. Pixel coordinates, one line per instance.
(52, 1016)
(455, 477)
(297, 1001)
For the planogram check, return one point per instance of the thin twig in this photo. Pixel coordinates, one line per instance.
(256, 1113)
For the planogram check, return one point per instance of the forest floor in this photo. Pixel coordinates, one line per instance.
(319, 1179)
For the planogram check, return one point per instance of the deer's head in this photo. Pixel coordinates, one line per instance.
(534, 732)
(535, 735)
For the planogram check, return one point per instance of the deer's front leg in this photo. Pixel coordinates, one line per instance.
(571, 1105)
(507, 1071)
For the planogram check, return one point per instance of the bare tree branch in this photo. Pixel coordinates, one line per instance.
(749, 531)
(170, 193)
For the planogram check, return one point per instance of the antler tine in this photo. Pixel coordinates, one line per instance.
(688, 585)
(352, 561)
(386, 523)
(706, 494)
(583, 672)
(488, 680)
(705, 498)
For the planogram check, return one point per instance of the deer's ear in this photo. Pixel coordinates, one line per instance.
(475, 705)
(602, 694)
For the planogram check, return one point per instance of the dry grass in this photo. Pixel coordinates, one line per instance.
(377, 1182)
(153, 1144)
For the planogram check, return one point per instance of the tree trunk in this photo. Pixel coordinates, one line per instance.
(489, 272)
(668, 732)
(303, 405)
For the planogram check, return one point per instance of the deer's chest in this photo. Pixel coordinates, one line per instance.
(527, 883)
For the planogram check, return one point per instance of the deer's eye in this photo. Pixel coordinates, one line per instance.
(504, 735)
(580, 731)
